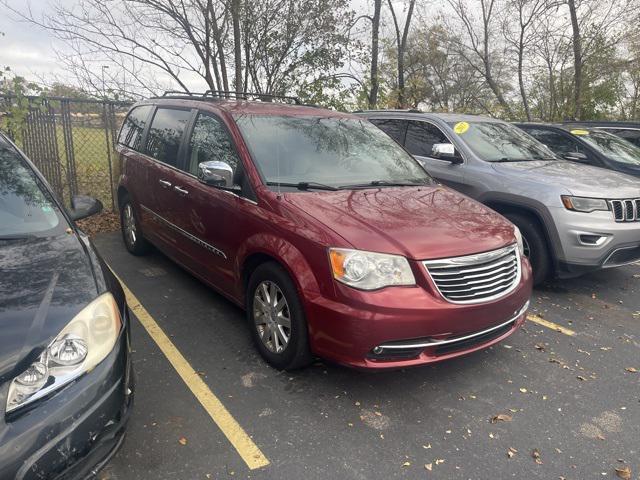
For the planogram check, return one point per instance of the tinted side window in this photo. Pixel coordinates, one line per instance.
(421, 136)
(557, 142)
(396, 129)
(630, 135)
(165, 134)
(210, 141)
(133, 126)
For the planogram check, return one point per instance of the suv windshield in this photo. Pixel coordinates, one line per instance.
(501, 142)
(613, 147)
(25, 207)
(327, 153)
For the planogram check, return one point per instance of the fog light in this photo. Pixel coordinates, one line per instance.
(377, 350)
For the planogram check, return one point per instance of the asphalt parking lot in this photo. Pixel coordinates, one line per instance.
(545, 404)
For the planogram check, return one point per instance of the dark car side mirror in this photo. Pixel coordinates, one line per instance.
(83, 206)
(576, 157)
(445, 151)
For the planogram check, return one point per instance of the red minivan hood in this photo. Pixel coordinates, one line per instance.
(417, 222)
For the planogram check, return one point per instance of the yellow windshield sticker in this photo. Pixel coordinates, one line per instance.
(579, 131)
(461, 127)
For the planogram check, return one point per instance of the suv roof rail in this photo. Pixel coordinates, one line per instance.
(414, 110)
(227, 94)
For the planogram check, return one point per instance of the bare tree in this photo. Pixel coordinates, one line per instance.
(401, 45)
(375, 37)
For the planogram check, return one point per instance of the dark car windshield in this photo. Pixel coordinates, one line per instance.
(327, 152)
(500, 142)
(25, 207)
(611, 146)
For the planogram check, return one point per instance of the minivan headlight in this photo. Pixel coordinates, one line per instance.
(584, 204)
(369, 270)
(79, 348)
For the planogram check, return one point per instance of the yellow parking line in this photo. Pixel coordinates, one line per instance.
(243, 444)
(553, 326)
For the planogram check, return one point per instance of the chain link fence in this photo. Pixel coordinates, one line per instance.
(71, 141)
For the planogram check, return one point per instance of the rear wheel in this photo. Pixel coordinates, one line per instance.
(276, 318)
(535, 245)
(131, 231)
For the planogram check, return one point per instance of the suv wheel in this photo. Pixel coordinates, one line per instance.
(131, 231)
(535, 245)
(276, 318)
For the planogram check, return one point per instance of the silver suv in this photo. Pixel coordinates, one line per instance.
(573, 218)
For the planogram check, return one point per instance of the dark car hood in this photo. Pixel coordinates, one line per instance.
(579, 179)
(419, 223)
(44, 283)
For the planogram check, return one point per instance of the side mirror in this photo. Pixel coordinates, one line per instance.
(216, 174)
(83, 206)
(576, 157)
(445, 151)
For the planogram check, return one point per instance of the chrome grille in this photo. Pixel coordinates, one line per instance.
(627, 210)
(476, 278)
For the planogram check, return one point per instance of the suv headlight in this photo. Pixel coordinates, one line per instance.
(369, 270)
(79, 348)
(518, 235)
(584, 204)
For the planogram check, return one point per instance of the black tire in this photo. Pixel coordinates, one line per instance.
(138, 245)
(534, 237)
(296, 353)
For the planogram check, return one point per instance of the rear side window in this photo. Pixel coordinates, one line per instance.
(133, 126)
(630, 135)
(165, 134)
(557, 142)
(421, 136)
(210, 141)
(396, 129)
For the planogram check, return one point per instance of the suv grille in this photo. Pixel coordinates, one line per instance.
(626, 210)
(476, 278)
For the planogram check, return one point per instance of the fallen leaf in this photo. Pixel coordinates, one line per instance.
(631, 370)
(624, 472)
(580, 377)
(427, 446)
(501, 417)
(182, 441)
(539, 346)
(428, 466)
(523, 390)
(511, 452)
(406, 464)
(536, 456)
(439, 461)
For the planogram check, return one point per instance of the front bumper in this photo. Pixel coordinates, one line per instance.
(349, 331)
(75, 431)
(591, 241)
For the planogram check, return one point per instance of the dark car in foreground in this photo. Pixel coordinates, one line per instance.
(334, 239)
(589, 145)
(65, 372)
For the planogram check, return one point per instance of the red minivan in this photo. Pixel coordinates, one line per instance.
(335, 241)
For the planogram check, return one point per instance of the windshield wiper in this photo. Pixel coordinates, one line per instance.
(304, 185)
(384, 183)
(507, 160)
(17, 236)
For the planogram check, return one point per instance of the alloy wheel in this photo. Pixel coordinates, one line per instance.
(130, 224)
(272, 316)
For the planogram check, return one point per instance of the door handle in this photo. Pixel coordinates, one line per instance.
(181, 191)
(165, 184)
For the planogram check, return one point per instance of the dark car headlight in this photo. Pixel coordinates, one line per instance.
(78, 349)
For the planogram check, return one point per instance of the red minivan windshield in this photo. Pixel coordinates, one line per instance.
(333, 152)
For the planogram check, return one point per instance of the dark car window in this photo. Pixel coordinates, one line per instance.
(133, 126)
(26, 207)
(396, 129)
(629, 134)
(613, 147)
(421, 137)
(210, 140)
(165, 134)
(557, 142)
(334, 151)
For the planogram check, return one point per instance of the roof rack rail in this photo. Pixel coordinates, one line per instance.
(226, 94)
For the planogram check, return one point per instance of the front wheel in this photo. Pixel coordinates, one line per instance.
(276, 318)
(535, 245)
